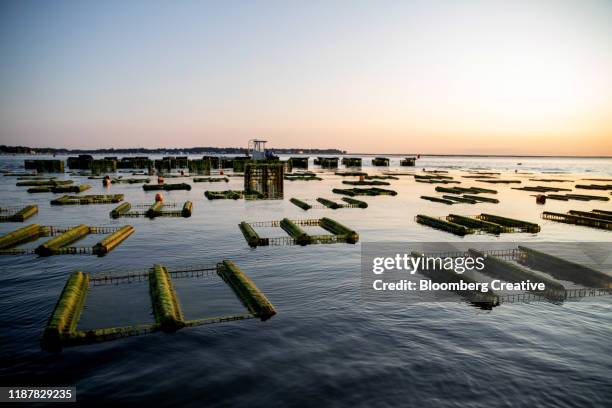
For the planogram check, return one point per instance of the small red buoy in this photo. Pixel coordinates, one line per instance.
(361, 178)
(182, 173)
(160, 180)
(221, 172)
(541, 199)
(159, 198)
(106, 180)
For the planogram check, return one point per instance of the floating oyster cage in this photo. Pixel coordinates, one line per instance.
(323, 203)
(62, 329)
(88, 199)
(600, 219)
(477, 224)
(166, 187)
(17, 214)
(157, 209)
(240, 194)
(372, 191)
(518, 264)
(62, 239)
(296, 235)
(57, 189)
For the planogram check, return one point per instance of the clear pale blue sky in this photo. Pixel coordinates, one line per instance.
(472, 76)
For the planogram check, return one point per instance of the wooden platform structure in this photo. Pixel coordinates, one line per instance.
(62, 328)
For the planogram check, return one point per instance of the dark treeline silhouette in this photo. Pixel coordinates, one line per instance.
(141, 150)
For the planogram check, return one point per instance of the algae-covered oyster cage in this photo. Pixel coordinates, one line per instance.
(166, 187)
(372, 191)
(210, 179)
(121, 180)
(88, 199)
(304, 176)
(483, 223)
(60, 189)
(62, 329)
(157, 209)
(50, 182)
(366, 183)
(62, 239)
(600, 219)
(518, 264)
(17, 214)
(326, 203)
(296, 235)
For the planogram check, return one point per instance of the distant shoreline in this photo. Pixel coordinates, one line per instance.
(40, 151)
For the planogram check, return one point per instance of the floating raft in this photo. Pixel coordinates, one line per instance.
(88, 199)
(224, 195)
(62, 328)
(62, 238)
(157, 209)
(210, 179)
(296, 235)
(17, 214)
(593, 222)
(325, 203)
(166, 187)
(373, 191)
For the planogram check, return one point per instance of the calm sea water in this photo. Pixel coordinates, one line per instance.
(326, 346)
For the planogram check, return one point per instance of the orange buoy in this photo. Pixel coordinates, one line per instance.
(159, 198)
(221, 172)
(182, 173)
(160, 180)
(541, 199)
(361, 177)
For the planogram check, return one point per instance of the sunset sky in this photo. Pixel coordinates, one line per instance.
(482, 77)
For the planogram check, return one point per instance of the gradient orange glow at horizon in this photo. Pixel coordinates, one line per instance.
(444, 77)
